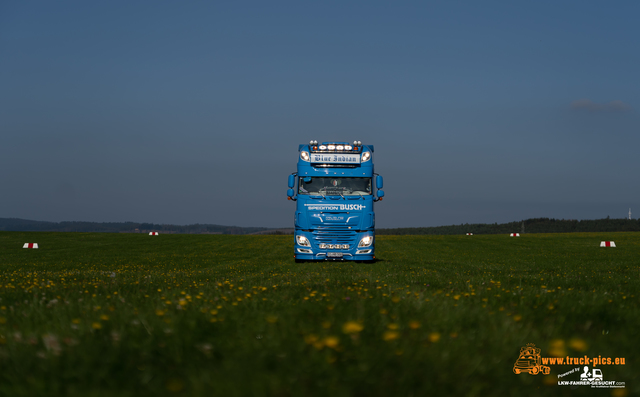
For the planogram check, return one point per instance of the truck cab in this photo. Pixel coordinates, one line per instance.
(334, 189)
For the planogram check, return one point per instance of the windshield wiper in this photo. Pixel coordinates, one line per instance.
(361, 195)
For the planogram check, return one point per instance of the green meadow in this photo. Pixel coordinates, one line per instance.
(90, 314)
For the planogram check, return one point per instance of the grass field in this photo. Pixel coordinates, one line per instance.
(134, 315)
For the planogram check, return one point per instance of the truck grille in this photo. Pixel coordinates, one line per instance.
(335, 234)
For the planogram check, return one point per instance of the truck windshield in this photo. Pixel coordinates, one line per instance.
(334, 186)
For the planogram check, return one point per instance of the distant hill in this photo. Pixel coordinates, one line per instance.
(24, 225)
(535, 225)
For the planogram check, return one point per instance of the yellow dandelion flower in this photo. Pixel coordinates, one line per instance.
(331, 342)
(414, 325)
(96, 325)
(434, 337)
(352, 327)
(310, 339)
(104, 317)
(76, 321)
(159, 313)
(557, 343)
(578, 344)
(272, 319)
(390, 335)
(517, 317)
(392, 326)
(557, 349)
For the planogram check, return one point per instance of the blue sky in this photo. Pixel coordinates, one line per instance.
(176, 112)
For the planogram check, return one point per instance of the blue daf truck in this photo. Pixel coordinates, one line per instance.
(334, 193)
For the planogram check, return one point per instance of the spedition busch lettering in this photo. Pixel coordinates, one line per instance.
(334, 158)
(335, 207)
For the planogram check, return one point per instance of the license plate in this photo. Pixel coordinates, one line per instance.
(334, 254)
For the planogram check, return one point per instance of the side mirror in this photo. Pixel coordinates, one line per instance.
(291, 181)
(379, 182)
(380, 193)
(290, 193)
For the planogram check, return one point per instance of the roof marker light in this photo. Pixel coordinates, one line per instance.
(323, 147)
(339, 147)
(331, 147)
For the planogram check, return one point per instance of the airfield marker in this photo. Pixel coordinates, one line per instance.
(30, 245)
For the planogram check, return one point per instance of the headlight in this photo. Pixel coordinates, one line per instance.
(304, 156)
(366, 156)
(302, 240)
(366, 241)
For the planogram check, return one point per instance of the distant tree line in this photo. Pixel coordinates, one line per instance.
(534, 225)
(23, 225)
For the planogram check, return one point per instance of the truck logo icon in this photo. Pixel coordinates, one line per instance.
(529, 361)
(596, 375)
